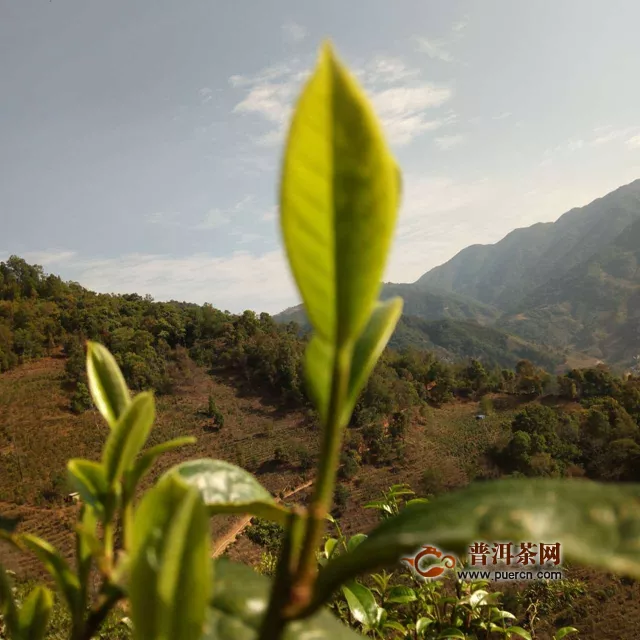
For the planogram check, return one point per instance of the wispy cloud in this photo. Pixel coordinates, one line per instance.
(216, 218)
(440, 48)
(402, 100)
(448, 142)
(213, 219)
(634, 142)
(460, 26)
(206, 94)
(294, 32)
(502, 116)
(47, 257)
(163, 218)
(436, 49)
(599, 136)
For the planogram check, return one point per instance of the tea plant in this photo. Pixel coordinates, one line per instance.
(339, 198)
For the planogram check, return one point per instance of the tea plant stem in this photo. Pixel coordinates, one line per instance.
(273, 623)
(325, 482)
(98, 615)
(108, 544)
(127, 525)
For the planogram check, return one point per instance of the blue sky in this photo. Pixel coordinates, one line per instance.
(140, 143)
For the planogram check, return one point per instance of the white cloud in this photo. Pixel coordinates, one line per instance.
(634, 142)
(460, 26)
(384, 70)
(502, 116)
(448, 142)
(237, 282)
(598, 137)
(47, 257)
(435, 49)
(214, 219)
(294, 31)
(164, 218)
(402, 108)
(206, 94)
(440, 48)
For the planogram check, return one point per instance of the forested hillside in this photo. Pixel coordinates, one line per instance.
(452, 327)
(236, 382)
(39, 314)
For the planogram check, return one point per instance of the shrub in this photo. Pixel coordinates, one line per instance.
(81, 399)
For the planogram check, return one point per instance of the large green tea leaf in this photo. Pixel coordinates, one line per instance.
(369, 347)
(170, 566)
(226, 488)
(338, 200)
(128, 436)
(106, 383)
(596, 524)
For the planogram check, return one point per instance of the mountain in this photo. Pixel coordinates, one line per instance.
(570, 286)
(573, 284)
(451, 326)
(424, 303)
(506, 273)
(595, 307)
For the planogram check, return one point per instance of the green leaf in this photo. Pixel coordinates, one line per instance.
(57, 567)
(239, 601)
(503, 615)
(519, 631)
(143, 464)
(451, 633)
(34, 614)
(8, 607)
(362, 603)
(355, 540)
(401, 595)
(88, 479)
(596, 524)
(87, 547)
(329, 547)
(170, 566)
(415, 501)
(477, 598)
(381, 505)
(128, 436)
(565, 631)
(392, 624)
(338, 200)
(369, 345)
(423, 624)
(226, 488)
(106, 383)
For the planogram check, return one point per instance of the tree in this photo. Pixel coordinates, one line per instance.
(215, 413)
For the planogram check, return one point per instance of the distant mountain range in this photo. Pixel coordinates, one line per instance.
(570, 288)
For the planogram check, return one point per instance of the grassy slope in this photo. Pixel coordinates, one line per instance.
(448, 442)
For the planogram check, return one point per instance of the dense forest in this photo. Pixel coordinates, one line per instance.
(585, 424)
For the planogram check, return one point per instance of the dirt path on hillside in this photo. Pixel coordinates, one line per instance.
(230, 537)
